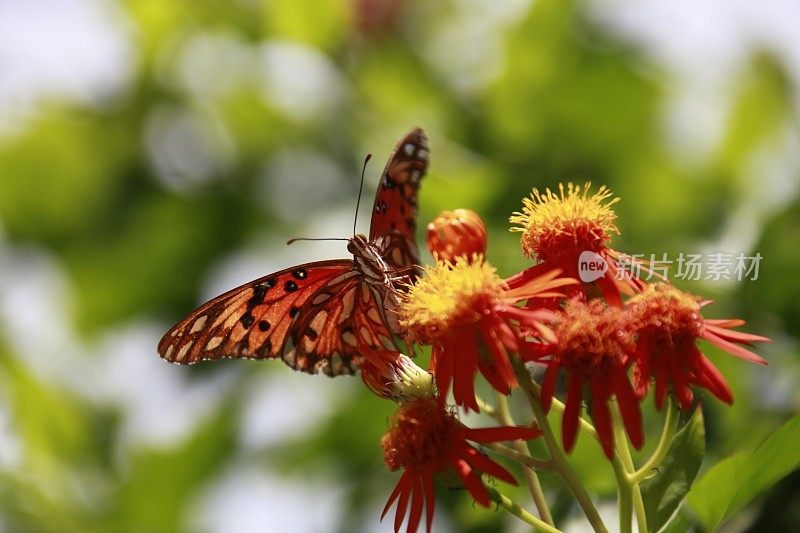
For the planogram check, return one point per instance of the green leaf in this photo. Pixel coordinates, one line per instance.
(679, 523)
(737, 480)
(664, 492)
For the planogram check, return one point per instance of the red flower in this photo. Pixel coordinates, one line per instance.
(667, 323)
(559, 229)
(467, 313)
(426, 439)
(594, 348)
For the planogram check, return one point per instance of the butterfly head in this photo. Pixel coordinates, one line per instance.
(358, 245)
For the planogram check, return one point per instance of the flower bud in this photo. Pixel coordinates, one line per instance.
(394, 376)
(457, 233)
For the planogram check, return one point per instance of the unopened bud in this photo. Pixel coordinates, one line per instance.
(457, 233)
(398, 379)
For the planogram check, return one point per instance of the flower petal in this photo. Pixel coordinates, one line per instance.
(466, 350)
(602, 417)
(735, 336)
(569, 428)
(486, 465)
(549, 386)
(442, 363)
(415, 515)
(395, 493)
(430, 501)
(629, 407)
(472, 482)
(402, 502)
(731, 348)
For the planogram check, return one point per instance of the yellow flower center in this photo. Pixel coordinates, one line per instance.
(449, 295)
(575, 221)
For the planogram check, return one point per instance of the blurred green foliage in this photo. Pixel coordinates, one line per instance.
(570, 100)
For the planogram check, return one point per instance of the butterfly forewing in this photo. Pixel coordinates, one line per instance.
(394, 215)
(252, 320)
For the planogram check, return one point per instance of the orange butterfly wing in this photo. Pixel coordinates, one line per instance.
(312, 316)
(394, 215)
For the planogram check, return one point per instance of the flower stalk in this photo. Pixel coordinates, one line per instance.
(521, 447)
(559, 461)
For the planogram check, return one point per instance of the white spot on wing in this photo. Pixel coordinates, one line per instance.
(366, 335)
(184, 350)
(348, 301)
(349, 338)
(319, 321)
(408, 148)
(387, 343)
(347, 275)
(324, 297)
(375, 315)
(213, 342)
(198, 324)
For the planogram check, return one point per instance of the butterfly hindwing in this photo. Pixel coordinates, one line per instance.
(329, 331)
(394, 215)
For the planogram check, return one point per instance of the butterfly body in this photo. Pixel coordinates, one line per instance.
(317, 317)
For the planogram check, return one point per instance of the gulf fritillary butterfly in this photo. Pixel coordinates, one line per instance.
(315, 316)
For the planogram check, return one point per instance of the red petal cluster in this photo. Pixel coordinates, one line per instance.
(426, 440)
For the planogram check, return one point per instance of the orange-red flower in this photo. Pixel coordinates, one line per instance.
(425, 440)
(457, 233)
(467, 314)
(667, 323)
(561, 230)
(594, 347)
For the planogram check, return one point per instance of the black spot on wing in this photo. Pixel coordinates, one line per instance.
(259, 292)
(290, 286)
(247, 319)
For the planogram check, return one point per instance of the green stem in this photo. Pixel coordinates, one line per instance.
(508, 504)
(557, 457)
(670, 427)
(630, 495)
(485, 407)
(503, 415)
(510, 453)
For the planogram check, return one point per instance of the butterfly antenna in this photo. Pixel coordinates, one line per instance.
(360, 190)
(290, 241)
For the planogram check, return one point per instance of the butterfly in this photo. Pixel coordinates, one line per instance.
(318, 316)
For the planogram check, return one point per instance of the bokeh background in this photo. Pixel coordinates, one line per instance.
(154, 153)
